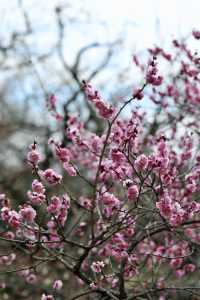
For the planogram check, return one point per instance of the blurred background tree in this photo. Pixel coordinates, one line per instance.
(37, 61)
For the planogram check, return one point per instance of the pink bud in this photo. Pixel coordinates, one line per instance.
(133, 192)
(51, 176)
(70, 169)
(196, 34)
(33, 156)
(28, 213)
(58, 284)
(141, 163)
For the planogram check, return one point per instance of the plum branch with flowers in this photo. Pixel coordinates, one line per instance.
(131, 229)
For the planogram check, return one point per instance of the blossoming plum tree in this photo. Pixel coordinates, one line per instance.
(132, 232)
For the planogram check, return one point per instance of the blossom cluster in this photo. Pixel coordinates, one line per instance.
(122, 207)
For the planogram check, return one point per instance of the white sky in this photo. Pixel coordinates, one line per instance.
(140, 23)
(152, 20)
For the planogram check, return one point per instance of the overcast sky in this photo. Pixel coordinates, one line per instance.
(148, 20)
(140, 23)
